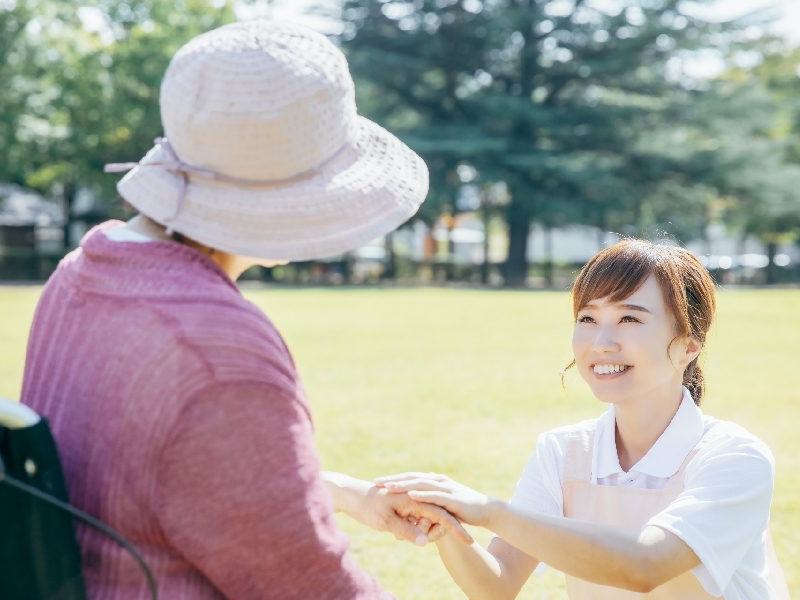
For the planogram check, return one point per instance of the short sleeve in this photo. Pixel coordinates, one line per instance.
(240, 497)
(724, 508)
(539, 488)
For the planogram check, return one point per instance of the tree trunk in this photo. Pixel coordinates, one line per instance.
(601, 234)
(347, 268)
(69, 197)
(519, 226)
(772, 268)
(390, 267)
(449, 266)
(485, 265)
(548, 259)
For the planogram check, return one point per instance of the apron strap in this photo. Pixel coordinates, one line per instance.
(578, 458)
(708, 437)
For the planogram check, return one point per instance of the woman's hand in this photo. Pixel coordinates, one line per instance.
(393, 513)
(434, 531)
(464, 503)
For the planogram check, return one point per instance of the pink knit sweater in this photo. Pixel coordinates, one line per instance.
(181, 421)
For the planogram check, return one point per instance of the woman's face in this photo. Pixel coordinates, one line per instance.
(621, 348)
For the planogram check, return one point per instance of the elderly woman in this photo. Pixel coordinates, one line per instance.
(178, 412)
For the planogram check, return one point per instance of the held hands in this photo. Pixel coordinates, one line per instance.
(394, 513)
(464, 503)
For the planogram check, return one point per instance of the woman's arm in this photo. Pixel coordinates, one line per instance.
(496, 573)
(397, 514)
(597, 553)
(635, 561)
(239, 497)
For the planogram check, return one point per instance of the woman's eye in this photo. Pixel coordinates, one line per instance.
(629, 319)
(585, 319)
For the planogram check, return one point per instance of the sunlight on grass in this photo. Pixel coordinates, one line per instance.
(17, 305)
(462, 382)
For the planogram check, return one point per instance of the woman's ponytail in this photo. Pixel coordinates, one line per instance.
(694, 381)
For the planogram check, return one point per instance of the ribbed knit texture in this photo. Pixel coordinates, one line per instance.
(181, 422)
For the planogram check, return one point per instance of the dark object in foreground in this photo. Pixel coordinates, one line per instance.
(39, 557)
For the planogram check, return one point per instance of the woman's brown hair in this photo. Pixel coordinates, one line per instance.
(619, 270)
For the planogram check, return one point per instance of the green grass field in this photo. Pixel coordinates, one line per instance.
(462, 382)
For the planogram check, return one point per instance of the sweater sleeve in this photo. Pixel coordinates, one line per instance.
(240, 496)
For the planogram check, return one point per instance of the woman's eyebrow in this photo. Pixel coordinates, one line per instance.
(593, 306)
(634, 307)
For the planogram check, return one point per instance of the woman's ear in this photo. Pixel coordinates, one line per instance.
(693, 348)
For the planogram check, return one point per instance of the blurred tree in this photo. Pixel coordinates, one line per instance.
(84, 85)
(15, 90)
(584, 112)
(779, 74)
(757, 167)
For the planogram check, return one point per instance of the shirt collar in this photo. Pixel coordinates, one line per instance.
(667, 454)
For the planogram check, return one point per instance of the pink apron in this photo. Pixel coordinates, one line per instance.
(632, 508)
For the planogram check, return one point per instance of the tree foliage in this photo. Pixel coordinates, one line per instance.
(585, 113)
(82, 85)
(583, 110)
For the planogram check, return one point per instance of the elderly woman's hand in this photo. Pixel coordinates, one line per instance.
(466, 504)
(398, 514)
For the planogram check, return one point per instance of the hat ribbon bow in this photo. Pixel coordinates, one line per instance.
(170, 160)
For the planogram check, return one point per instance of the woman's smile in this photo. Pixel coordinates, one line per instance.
(610, 370)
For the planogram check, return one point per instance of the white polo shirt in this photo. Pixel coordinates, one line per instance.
(722, 514)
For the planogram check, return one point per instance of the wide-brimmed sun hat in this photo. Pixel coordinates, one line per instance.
(264, 154)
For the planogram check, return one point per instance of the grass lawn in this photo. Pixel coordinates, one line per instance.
(462, 382)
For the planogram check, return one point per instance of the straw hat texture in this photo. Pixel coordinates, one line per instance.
(265, 155)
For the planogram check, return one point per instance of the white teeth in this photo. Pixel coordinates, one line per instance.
(606, 369)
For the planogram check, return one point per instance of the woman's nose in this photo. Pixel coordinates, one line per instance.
(605, 341)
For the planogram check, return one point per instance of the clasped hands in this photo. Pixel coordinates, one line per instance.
(415, 507)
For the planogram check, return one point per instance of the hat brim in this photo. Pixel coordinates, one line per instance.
(371, 187)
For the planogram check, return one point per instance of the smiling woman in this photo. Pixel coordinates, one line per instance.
(654, 499)
(655, 294)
